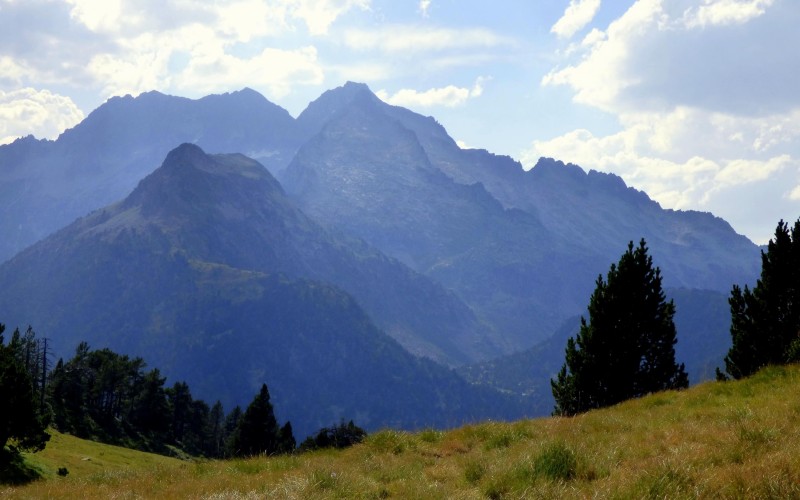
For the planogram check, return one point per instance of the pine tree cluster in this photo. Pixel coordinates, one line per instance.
(765, 321)
(627, 348)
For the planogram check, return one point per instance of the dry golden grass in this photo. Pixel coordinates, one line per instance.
(717, 440)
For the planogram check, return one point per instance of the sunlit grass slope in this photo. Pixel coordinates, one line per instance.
(717, 440)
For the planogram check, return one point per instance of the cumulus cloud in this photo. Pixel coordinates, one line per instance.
(424, 5)
(100, 48)
(320, 14)
(703, 93)
(725, 12)
(755, 193)
(449, 96)
(277, 70)
(655, 57)
(414, 39)
(41, 113)
(247, 18)
(578, 14)
(192, 47)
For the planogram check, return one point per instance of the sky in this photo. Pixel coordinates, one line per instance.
(695, 102)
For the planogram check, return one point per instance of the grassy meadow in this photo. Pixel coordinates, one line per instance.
(717, 440)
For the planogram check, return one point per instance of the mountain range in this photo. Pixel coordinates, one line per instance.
(206, 270)
(337, 254)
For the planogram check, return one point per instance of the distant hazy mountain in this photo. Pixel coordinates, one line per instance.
(368, 174)
(208, 272)
(520, 248)
(44, 185)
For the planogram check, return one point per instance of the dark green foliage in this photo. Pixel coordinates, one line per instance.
(190, 422)
(765, 321)
(231, 423)
(258, 433)
(22, 420)
(556, 462)
(149, 404)
(216, 431)
(108, 397)
(14, 470)
(96, 391)
(338, 436)
(286, 441)
(627, 349)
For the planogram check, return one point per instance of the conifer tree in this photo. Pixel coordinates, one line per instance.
(20, 418)
(765, 321)
(627, 348)
(258, 432)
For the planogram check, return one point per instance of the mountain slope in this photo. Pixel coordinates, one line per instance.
(207, 271)
(45, 185)
(367, 174)
(228, 209)
(521, 248)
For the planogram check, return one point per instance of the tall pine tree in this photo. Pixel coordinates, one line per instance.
(21, 420)
(765, 322)
(258, 432)
(627, 348)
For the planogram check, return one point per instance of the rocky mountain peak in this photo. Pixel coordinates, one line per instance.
(331, 103)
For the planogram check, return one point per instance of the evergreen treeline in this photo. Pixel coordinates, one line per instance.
(109, 397)
(627, 350)
(23, 417)
(765, 321)
(338, 436)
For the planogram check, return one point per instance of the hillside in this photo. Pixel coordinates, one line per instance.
(716, 440)
(209, 273)
(520, 247)
(101, 159)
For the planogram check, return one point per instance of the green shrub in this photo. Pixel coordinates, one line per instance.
(556, 462)
(474, 471)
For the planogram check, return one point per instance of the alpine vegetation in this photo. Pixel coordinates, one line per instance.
(627, 348)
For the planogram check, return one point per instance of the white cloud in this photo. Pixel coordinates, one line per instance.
(690, 159)
(653, 58)
(38, 112)
(578, 14)
(320, 14)
(274, 69)
(243, 19)
(703, 96)
(424, 5)
(197, 53)
(98, 15)
(249, 19)
(600, 78)
(12, 71)
(449, 96)
(141, 66)
(725, 12)
(592, 38)
(410, 40)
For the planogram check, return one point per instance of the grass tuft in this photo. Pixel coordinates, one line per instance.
(556, 462)
(474, 472)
